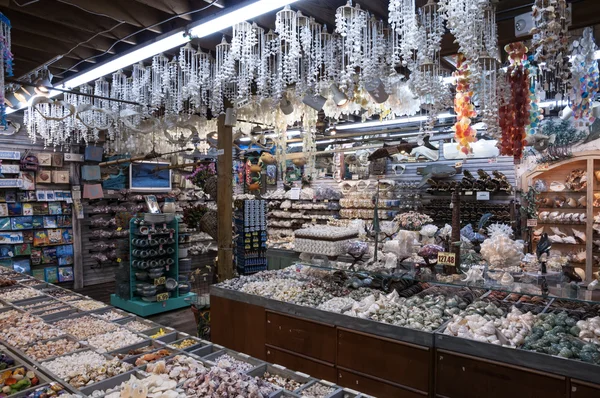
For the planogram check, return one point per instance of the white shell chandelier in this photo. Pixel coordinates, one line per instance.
(299, 58)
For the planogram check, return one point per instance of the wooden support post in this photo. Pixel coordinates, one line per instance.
(78, 282)
(455, 232)
(224, 200)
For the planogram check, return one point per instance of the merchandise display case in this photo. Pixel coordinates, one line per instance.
(103, 351)
(345, 343)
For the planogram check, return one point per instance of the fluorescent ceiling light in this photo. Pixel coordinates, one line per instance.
(295, 144)
(391, 122)
(245, 139)
(244, 13)
(133, 57)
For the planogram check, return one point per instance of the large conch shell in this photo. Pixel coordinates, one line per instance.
(267, 158)
(557, 186)
(299, 162)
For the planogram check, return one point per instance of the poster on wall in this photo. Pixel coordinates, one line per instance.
(149, 177)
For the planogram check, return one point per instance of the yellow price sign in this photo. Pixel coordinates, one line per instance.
(445, 258)
(160, 281)
(162, 297)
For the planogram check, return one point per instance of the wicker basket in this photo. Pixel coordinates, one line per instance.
(210, 187)
(208, 223)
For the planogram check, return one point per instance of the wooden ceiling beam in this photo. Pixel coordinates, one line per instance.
(24, 25)
(34, 58)
(40, 43)
(22, 66)
(131, 12)
(74, 18)
(173, 7)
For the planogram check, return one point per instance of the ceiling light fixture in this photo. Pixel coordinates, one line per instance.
(10, 100)
(314, 101)
(24, 94)
(43, 82)
(339, 98)
(390, 122)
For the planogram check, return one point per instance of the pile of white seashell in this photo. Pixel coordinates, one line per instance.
(590, 330)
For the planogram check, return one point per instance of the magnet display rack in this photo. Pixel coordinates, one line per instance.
(251, 231)
(152, 246)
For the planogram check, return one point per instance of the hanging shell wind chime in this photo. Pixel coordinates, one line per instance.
(5, 64)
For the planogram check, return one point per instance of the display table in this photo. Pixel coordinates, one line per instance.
(386, 360)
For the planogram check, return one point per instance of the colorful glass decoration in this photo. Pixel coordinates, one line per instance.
(6, 64)
(464, 133)
(584, 78)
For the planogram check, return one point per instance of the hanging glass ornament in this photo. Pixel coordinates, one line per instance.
(6, 63)
(585, 78)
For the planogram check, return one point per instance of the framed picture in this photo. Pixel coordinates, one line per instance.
(57, 160)
(28, 178)
(144, 177)
(152, 203)
(51, 274)
(44, 159)
(61, 176)
(65, 274)
(22, 266)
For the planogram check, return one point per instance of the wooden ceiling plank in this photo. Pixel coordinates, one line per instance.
(26, 25)
(74, 18)
(40, 43)
(33, 58)
(174, 7)
(131, 12)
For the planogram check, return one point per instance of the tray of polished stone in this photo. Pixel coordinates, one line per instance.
(19, 329)
(20, 379)
(112, 340)
(281, 377)
(52, 389)
(576, 306)
(7, 360)
(62, 294)
(85, 368)
(58, 313)
(16, 294)
(49, 349)
(84, 326)
(87, 304)
(138, 324)
(233, 361)
(321, 389)
(130, 354)
(180, 368)
(111, 314)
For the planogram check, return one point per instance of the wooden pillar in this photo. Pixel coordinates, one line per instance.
(455, 232)
(78, 283)
(224, 200)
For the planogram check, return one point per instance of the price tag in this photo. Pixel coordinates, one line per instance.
(162, 297)
(167, 267)
(120, 229)
(326, 201)
(314, 220)
(295, 194)
(458, 164)
(493, 160)
(445, 258)
(468, 193)
(110, 192)
(220, 152)
(171, 235)
(149, 237)
(164, 226)
(483, 196)
(160, 281)
(542, 167)
(355, 177)
(119, 260)
(532, 222)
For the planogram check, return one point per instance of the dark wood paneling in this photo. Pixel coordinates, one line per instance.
(581, 389)
(317, 369)
(402, 363)
(375, 387)
(463, 376)
(312, 339)
(238, 326)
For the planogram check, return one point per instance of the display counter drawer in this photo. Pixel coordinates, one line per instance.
(581, 389)
(374, 386)
(312, 339)
(464, 376)
(401, 363)
(300, 363)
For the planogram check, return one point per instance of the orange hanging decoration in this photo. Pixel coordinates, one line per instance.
(464, 133)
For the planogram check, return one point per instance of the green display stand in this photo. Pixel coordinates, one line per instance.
(153, 246)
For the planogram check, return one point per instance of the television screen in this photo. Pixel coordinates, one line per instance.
(144, 177)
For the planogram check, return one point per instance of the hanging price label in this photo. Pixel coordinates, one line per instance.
(532, 222)
(445, 258)
(160, 281)
(483, 196)
(162, 297)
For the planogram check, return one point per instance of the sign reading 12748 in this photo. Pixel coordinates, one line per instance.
(445, 258)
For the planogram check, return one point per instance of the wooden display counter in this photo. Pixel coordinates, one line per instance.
(389, 361)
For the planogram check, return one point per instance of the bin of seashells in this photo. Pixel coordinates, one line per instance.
(85, 326)
(87, 305)
(232, 361)
(19, 379)
(151, 386)
(113, 340)
(317, 390)
(43, 350)
(179, 368)
(138, 326)
(23, 329)
(85, 368)
(280, 377)
(19, 293)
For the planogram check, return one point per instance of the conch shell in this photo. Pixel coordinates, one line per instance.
(299, 162)
(267, 158)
